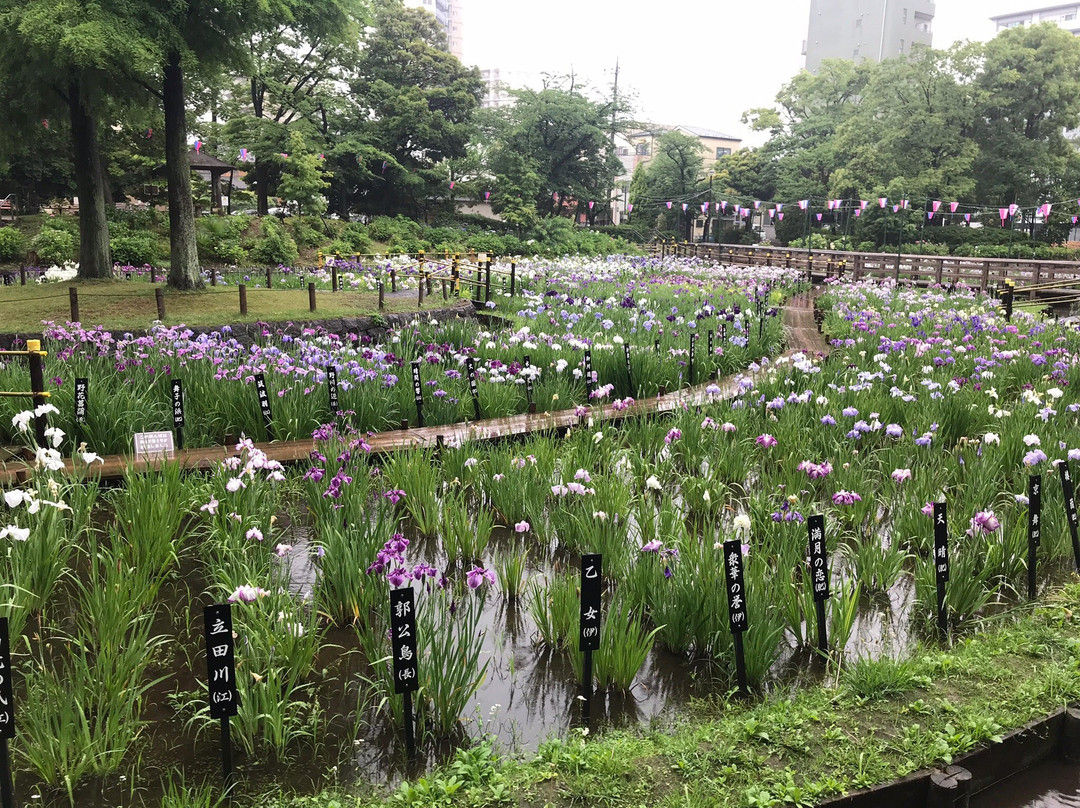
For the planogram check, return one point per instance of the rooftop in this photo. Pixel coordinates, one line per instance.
(696, 131)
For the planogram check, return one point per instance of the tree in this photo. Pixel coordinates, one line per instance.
(747, 173)
(673, 175)
(296, 66)
(1029, 95)
(303, 179)
(412, 110)
(913, 129)
(55, 62)
(810, 109)
(564, 139)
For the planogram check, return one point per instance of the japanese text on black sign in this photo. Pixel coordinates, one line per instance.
(591, 590)
(941, 542)
(736, 589)
(331, 383)
(819, 559)
(1035, 508)
(221, 661)
(82, 387)
(178, 404)
(403, 640)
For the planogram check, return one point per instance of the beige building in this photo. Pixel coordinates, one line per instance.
(642, 145)
(1065, 16)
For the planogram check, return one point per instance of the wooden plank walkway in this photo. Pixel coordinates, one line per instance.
(801, 336)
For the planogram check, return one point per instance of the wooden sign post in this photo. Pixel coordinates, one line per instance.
(221, 676)
(1068, 489)
(592, 586)
(418, 392)
(7, 717)
(629, 372)
(406, 664)
(736, 596)
(693, 343)
(332, 390)
(264, 405)
(177, 389)
(82, 398)
(819, 576)
(1034, 529)
(470, 369)
(589, 382)
(529, 384)
(941, 566)
(709, 347)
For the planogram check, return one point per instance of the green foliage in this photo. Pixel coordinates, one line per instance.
(302, 178)
(275, 246)
(11, 244)
(872, 679)
(674, 174)
(356, 237)
(136, 249)
(53, 246)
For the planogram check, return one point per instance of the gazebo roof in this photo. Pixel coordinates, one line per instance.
(204, 161)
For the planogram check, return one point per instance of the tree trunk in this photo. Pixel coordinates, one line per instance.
(262, 180)
(94, 258)
(184, 268)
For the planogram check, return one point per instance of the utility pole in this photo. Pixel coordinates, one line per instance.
(614, 110)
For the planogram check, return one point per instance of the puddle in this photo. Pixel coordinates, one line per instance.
(1051, 784)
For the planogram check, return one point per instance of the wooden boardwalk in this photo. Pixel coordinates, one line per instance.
(801, 336)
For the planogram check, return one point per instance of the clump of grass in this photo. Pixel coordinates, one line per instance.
(874, 679)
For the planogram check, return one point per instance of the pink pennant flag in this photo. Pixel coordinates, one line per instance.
(322, 156)
(723, 206)
(685, 206)
(904, 204)
(936, 205)
(243, 155)
(772, 212)
(803, 204)
(745, 212)
(487, 195)
(198, 146)
(953, 206)
(967, 217)
(591, 203)
(818, 216)
(716, 205)
(757, 205)
(669, 206)
(1013, 208)
(929, 214)
(555, 198)
(1004, 214)
(1046, 209)
(1074, 219)
(284, 156)
(895, 208)
(704, 207)
(780, 216)
(858, 212)
(629, 207)
(882, 201)
(863, 203)
(779, 206)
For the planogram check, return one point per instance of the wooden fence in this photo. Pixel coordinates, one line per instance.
(1028, 275)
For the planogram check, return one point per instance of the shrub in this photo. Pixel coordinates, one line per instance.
(54, 246)
(275, 246)
(383, 228)
(355, 236)
(308, 232)
(486, 242)
(11, 244)
(136, 249)
(65, 224)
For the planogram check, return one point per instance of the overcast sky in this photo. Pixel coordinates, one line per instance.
(695, 62)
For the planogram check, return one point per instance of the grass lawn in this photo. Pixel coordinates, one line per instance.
(128, 304)
(874, 722)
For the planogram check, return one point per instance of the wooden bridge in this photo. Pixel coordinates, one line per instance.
(1056, 282)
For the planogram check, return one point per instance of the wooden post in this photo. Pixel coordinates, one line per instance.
(213, 275)
(37, 386)
(333, 278)
(243, 299)
(311, 295)
(513, 277)
(382, 295)
(73, 300)
(420, 293)
(22, 276)
(159, 298)
(487, 282)
(393, 279)
(153, 279)
(445, 292)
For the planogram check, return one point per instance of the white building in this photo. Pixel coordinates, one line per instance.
(1065, 16)
(498, 83)
(449, 14)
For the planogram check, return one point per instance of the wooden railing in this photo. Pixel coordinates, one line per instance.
(982, 273)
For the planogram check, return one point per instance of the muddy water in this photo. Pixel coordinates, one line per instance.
(1052, 784)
